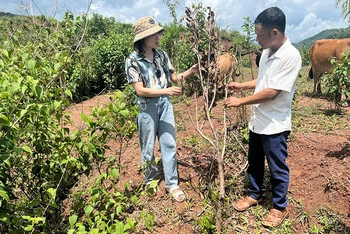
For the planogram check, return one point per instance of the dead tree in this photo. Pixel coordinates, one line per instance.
(204, 38)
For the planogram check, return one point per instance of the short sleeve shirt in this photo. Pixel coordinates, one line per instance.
(154, 74)
(279, 72)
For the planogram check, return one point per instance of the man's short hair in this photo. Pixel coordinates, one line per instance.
(272, 18)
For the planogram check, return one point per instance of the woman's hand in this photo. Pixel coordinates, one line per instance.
(174, 91)
(194, 69)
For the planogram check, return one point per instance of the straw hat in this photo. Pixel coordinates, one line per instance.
(144, 27)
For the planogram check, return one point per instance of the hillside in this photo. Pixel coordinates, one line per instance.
(319, 163)
(6, 14)
(326, 34)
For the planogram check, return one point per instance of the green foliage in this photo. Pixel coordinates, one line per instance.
(37, 166)
(97, 48)
(102, 65)
(116, 121)
(71, 33)
(248, 29)
(100, 26)
(175, 42)
(192, 141)
(246, 62)
(345, 5)
(330, 223)
(305, 55)
(98, 61)
(6, 14)
(245, 42)
(130, 94)
(108, 210)
(207, 223)
(27, 29)
(44, 65)
(338, 81)
(227, 35)
(172, 8)
(41, 160)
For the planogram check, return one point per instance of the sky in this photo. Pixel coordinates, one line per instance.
(305, 18)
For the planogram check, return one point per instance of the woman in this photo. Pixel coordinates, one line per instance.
(150, 72)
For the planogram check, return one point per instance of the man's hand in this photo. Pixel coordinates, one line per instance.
(234, 87)
(232, 102)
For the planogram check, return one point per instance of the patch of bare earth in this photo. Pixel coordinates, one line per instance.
(319, 165)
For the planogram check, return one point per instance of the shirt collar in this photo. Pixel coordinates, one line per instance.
(141, 56)
(281, 51)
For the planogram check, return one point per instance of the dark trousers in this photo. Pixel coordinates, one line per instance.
(274, 147)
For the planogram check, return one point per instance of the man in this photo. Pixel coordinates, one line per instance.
(270, 122)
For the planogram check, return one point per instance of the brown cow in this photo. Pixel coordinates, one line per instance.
(226, 67)
(226, 64)
(320, 54)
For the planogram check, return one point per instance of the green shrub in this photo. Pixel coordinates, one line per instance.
(41, 160)
(338, 81)
(101, 66)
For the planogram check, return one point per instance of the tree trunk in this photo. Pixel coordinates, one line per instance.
(221, 190)
(218, 223)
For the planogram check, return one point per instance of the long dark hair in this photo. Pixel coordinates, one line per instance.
(139, 46)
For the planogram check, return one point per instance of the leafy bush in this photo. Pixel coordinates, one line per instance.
(41, 160)
(108, 58)
(305, 55)
(99, 64)
(103, 208)
(37, 166)
(175, 42)
(338, 81)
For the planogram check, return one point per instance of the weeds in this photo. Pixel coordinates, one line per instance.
(329, 222)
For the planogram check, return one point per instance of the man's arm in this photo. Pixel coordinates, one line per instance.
(238, 87)
(260, 97)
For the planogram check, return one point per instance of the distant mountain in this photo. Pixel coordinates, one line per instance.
(6, 14)
(326, 34)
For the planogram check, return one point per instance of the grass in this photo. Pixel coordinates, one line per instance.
(320, 116)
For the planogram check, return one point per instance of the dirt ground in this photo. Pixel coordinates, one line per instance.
(319, 166)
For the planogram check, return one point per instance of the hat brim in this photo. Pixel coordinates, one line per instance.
(147, 32)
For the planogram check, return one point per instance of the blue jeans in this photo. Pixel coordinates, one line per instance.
(156, 119)
(274, 147)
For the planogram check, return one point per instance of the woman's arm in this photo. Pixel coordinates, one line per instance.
(148, 92)
(178, 78)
